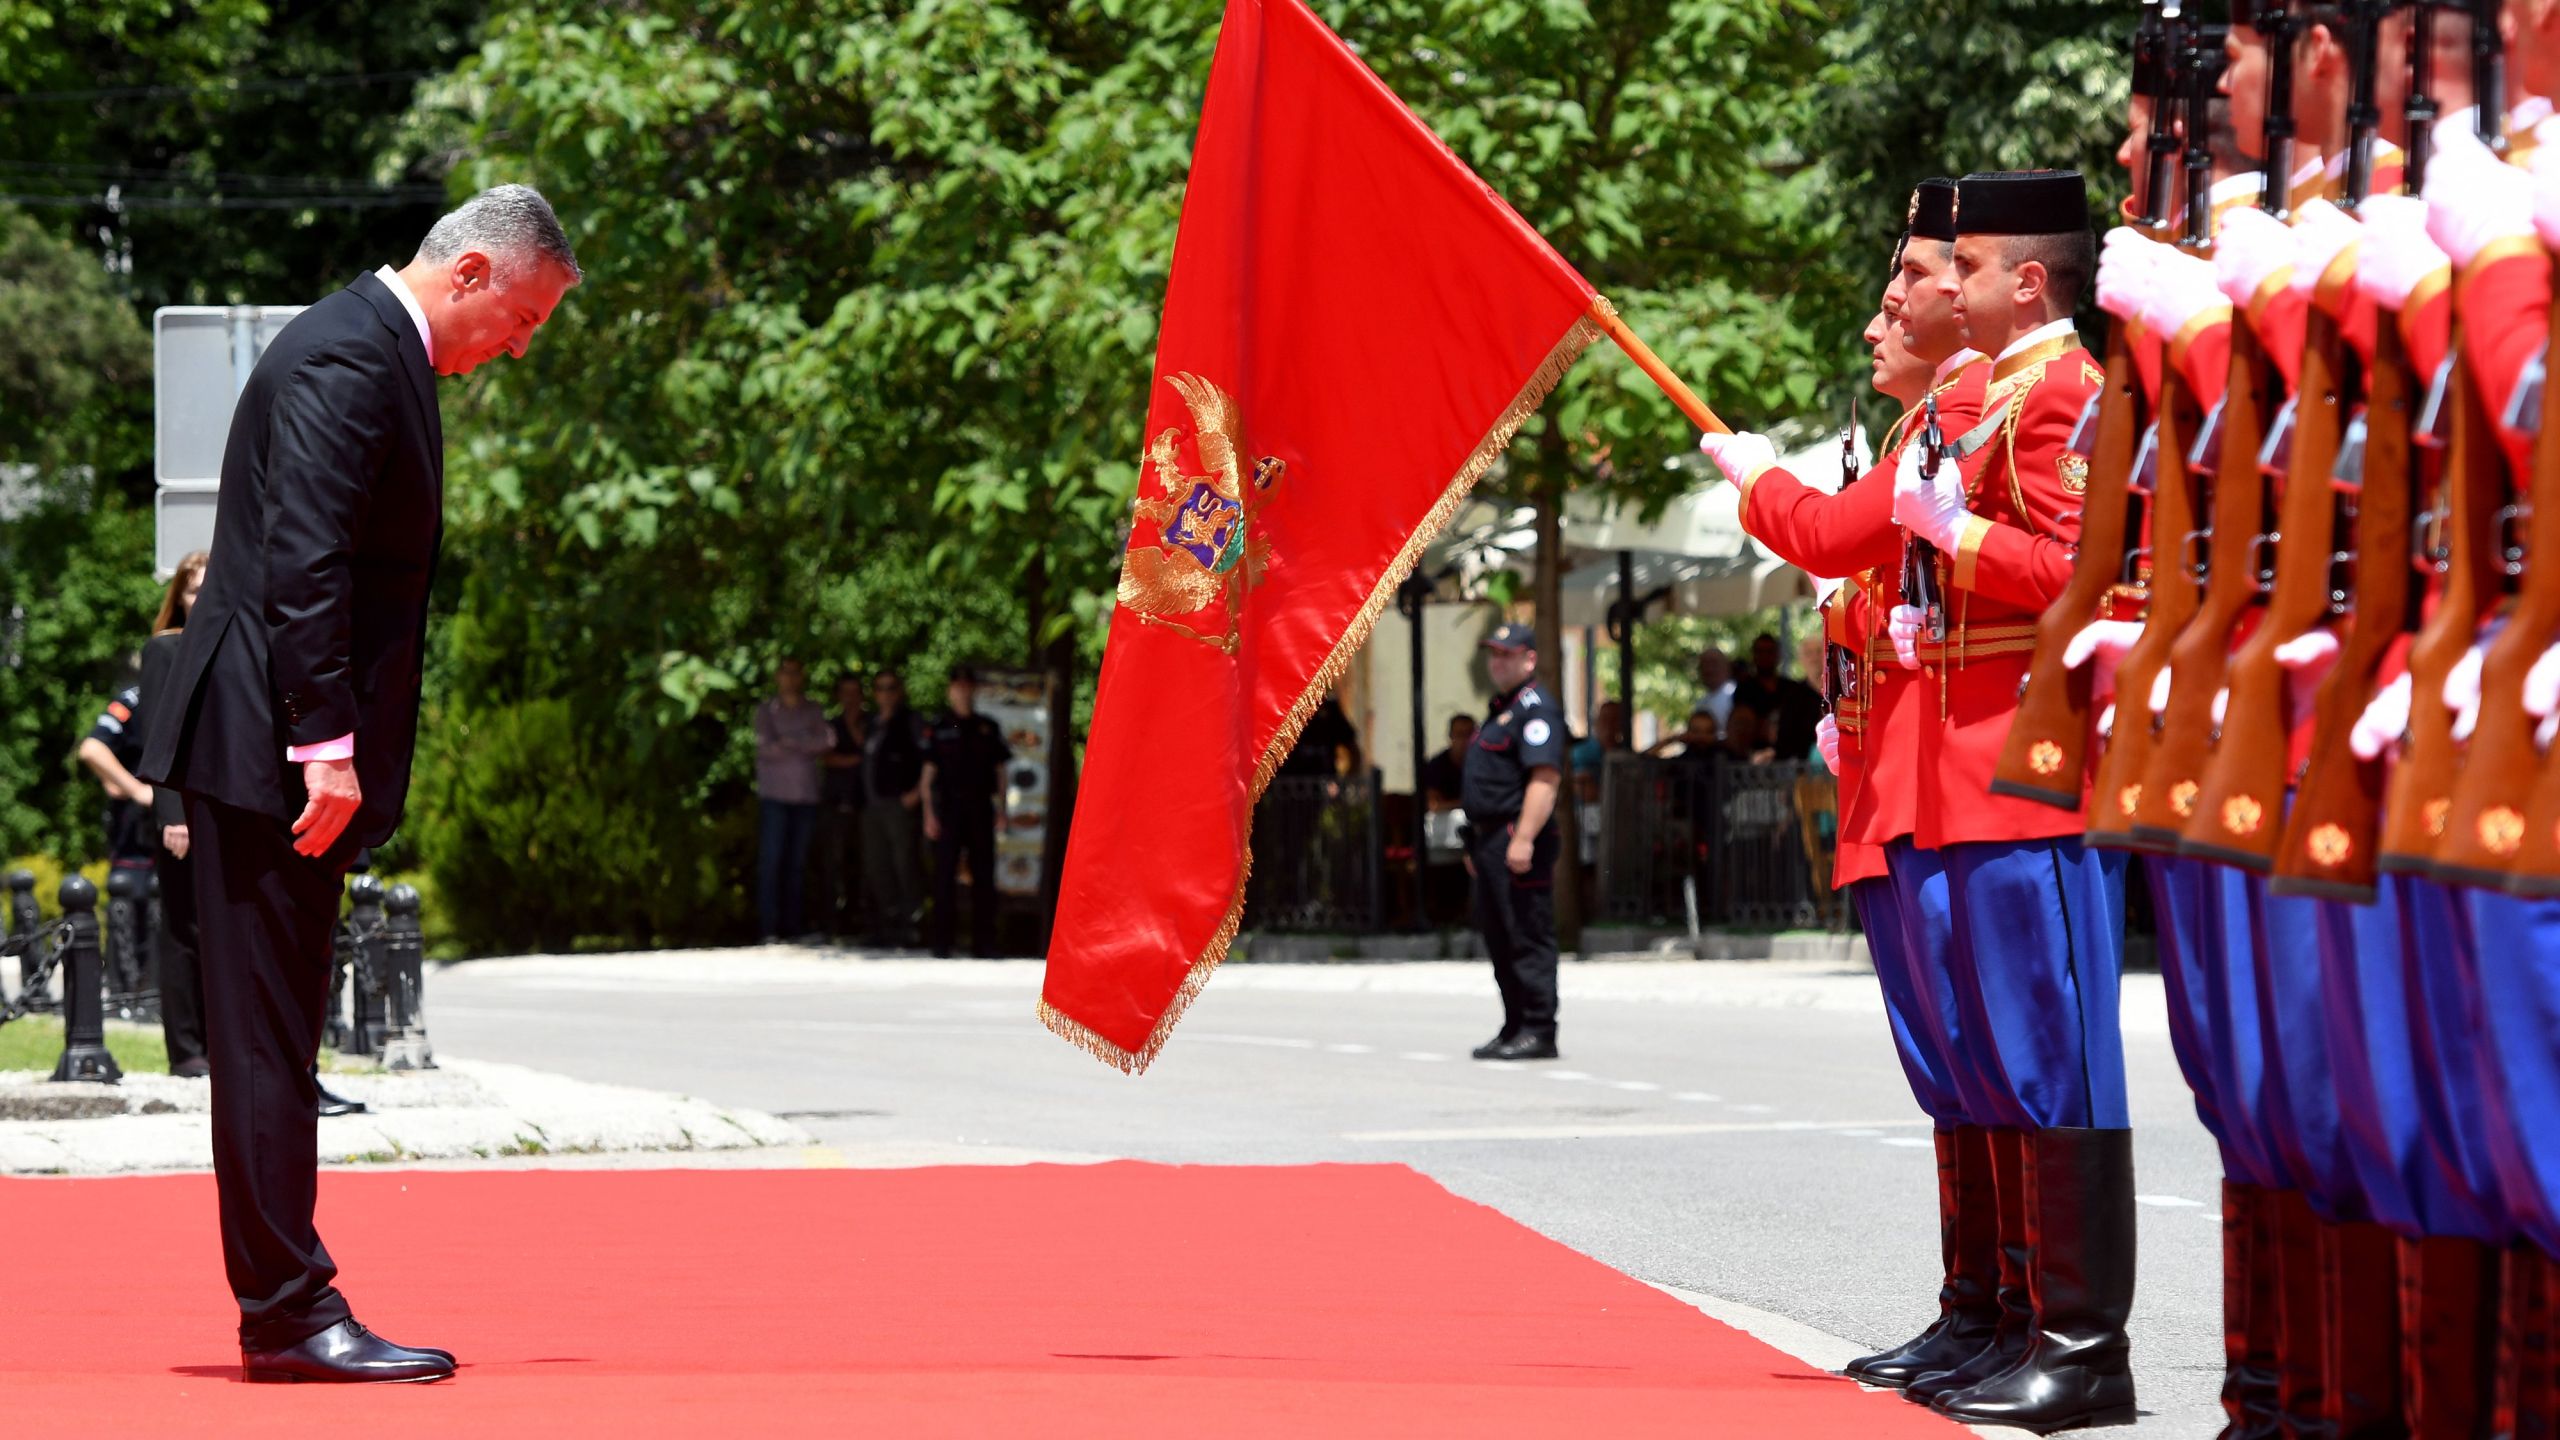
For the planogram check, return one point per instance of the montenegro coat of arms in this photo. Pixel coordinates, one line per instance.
(1192, 575)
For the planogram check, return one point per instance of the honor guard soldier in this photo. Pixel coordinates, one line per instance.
(1882, 714)
(1509, 792)
(2038, 916)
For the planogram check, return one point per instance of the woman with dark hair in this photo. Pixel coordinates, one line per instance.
(146, 825)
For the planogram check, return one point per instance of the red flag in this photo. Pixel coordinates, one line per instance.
(1354, 328)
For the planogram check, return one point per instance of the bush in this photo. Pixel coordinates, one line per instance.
(541, 834)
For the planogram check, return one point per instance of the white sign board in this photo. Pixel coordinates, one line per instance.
(201, 359)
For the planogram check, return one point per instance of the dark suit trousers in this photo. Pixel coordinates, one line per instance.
(265, 916)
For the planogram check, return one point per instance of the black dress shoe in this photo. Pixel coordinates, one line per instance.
(197, 1068)
(345, 1353)
(1493, 1047)
(1527, 1045)
(333, 1103)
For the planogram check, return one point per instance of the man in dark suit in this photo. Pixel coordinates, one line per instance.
(290, 717)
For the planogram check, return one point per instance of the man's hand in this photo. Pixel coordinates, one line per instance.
(1904, 625)
(2106, 642)
(2384, 720)
(1930, 506)
(1740, 455)
(173, 838)
(1522, 849)
(932, 826)
(913, 798)
(1826, 738)
(2125, 263)
(2397, 253)
(334, 799)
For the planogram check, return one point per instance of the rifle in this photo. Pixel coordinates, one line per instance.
(2177, 494)
(2240, 813)
(2328, 848)
(2484, 834)
(2234, 434)
(2046, 756)
(2418, 804)
(1839, 663)
(1920, 584)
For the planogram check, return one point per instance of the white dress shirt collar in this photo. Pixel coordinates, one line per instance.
(409, 302)
(2050, 330)
(1954, 363)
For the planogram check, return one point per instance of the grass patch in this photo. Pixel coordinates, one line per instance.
(35, 1042)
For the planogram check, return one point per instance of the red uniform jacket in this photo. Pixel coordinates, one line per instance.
(1852, 534)
(2504, 303)
(2012, 558)
(1847, 621)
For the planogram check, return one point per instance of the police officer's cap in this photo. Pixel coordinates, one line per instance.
(1514, 636)
(1933, 210)
(2022, 202)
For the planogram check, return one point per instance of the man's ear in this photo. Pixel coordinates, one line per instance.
(2029, 279)
(472, 271)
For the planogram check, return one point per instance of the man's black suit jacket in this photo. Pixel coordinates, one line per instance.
(313, 618)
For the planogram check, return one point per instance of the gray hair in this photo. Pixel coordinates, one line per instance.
(503, 222)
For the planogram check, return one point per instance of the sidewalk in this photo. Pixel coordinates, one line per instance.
(465, 1110)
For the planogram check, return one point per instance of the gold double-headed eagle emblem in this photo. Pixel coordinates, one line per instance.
(1206, 555)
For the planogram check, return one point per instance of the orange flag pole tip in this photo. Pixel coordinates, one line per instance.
(1606, 316)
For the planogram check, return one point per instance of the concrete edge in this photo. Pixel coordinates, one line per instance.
(1818, 1348)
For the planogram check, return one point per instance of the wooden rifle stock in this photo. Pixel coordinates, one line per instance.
(2175, 777)
(2328, 846)
(2047, 751)
(2177, 591)
(2419, 798)
(2239, 816)
(2485, 833)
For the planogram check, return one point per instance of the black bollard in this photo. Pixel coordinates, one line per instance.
(364, 924)
(338, 1034)
(84, 1040)
(24, 915)
(404, 944)
(129, 994)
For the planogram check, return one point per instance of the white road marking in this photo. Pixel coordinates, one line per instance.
(1421, 1055)
(1637, 1085)
(1906, 1140)
(1568, 1075)
(1701, 1096)
(1612, 1132)
(1353, 1049)
(1861, 1134)
(2169, 1202)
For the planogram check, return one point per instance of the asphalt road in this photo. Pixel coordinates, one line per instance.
(1738, 1130)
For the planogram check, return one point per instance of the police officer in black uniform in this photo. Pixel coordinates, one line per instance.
(964, 764)
(1509, 792)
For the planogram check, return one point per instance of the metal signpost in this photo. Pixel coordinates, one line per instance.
(201, 359)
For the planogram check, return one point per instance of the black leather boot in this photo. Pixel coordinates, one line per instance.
(1969, 1250)
(2525, 1400)
(2078, 1371)
(2248, 1316)
(2359, 1293)
(2012, 1184)
(2299, 1400)
(2538, 1398)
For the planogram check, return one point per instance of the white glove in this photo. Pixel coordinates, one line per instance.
(2542, 694)
(2307, 659)
(2106, 641)
(2160, 693)
(2474, 198)
(1740, 455)
(1929, 506)
(2384, 720)
(2546, 184)
(2125, 264)
(1826, 738)
(1904, 624)
(2180, 287)
(2107, 720)
(2462, 691)
(2321, 231)
(2249, 247)
(2397, 253)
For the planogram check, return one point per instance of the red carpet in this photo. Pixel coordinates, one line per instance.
(1118, 1300)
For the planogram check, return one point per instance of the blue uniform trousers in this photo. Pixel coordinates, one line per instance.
(2298, 1097)
(2038, 966)
(2227, 936)
(2177, 907)
(2365, 1002)
(2443, 995)
(1912, 972)
(2519, 973)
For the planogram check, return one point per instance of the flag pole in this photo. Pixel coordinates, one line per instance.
(1605, 315)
